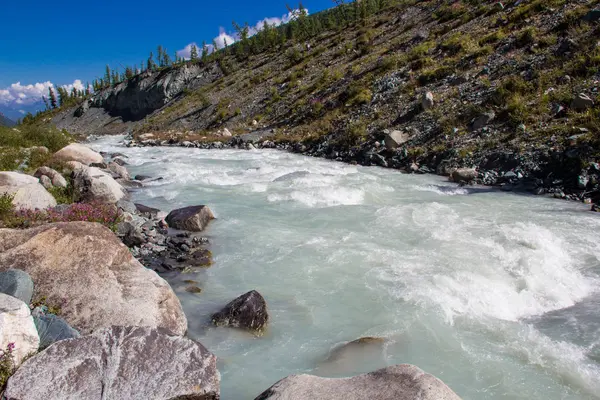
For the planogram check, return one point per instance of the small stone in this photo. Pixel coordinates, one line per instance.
(427, 101)
(249, 311)
(193, 289)
(395, 139)
(46, 182)
(482, 121)
(582, 102)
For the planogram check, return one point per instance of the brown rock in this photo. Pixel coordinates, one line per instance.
(193, 218)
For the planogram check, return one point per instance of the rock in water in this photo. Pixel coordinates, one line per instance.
(249, 311)
(92, 184)
(17, 283)
(78, 152)
(193, 218)
(52, 329)
(84, 269)
(395, 139)
(464, 175)
(399, 382)
(119, 363)
(17, 327)
(343, 359)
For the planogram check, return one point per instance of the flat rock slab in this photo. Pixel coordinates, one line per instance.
(84, 269)
(119, 363)
(192, 218)
(399, 382)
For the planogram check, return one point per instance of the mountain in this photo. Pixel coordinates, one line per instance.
(4, 121)
(427, 86)
(17, 112)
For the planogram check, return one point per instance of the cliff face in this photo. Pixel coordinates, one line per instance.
(118, 109)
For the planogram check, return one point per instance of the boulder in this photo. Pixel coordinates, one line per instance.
(342, 359)
(582, 102)
(119, 363)
(226, 133)
(395, 139)
(146, 211)
(29, 197)
(92, 184)
(17, 327)
(78, 152)
(55, 177)
(248, 311)
(17, 283)
(46, 182)
(427, 101)
(482, 121)
(118, 170)
(52, 329)
(10, 178)
(464, 175)
(84, 269)
(193, 218)
(398, 382)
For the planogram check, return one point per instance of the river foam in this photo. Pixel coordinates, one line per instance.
(494, 293)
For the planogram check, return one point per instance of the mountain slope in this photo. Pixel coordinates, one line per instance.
(4, 121)
(513, 88)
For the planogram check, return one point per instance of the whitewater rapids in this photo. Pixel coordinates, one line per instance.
(497, 294)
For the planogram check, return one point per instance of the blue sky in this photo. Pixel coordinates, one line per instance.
(61, 41)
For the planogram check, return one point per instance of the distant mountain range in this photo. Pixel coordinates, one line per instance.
(18, 111)
(4, 121)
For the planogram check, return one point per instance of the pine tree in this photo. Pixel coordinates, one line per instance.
(87, 89)
(62, 96)
(107, 76)
(128, 73)
(52, 97)
(151, 65)
(193, 52)
(46, 102)
(204, 52)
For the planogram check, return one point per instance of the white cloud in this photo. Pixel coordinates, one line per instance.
(17, 94)
(234, 37)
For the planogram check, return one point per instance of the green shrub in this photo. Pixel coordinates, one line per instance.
(29, 135)
(6, 205)
(7, 364)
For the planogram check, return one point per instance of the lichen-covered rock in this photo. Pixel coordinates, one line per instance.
(17, 328)
(248, 311)
(78, 152)
(398, 382)
(119, 363)
(193, 218)
(17, 283)
(84, 269)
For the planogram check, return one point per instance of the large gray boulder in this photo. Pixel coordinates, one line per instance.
(17, 327)
(399, 382)
(395, 139)
(78, 152)
(17, 283)
(27, 192)
(119, 363)
(193, 218)
(84, 269)
(248, 311)
(94, 185)
(55, 177)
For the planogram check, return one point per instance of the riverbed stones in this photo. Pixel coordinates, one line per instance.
(398, 382)
(464, 175)
(192, 218)
(17, 283)
(91, 184)
(78, 152)
(248, 311)
(84, 269)
(394, 139)
(119, 363)
(17, 328)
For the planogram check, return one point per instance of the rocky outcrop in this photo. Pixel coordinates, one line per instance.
(119, 363)
(399, 382)
(55, 177)
(17, 283)
(78, 152)
(92, 184)
(193, 218)
(85, 270)
(17, 328)
(27, 192)
(249, 311)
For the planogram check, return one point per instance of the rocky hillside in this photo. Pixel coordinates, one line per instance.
(4, 121)
(510, 88)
